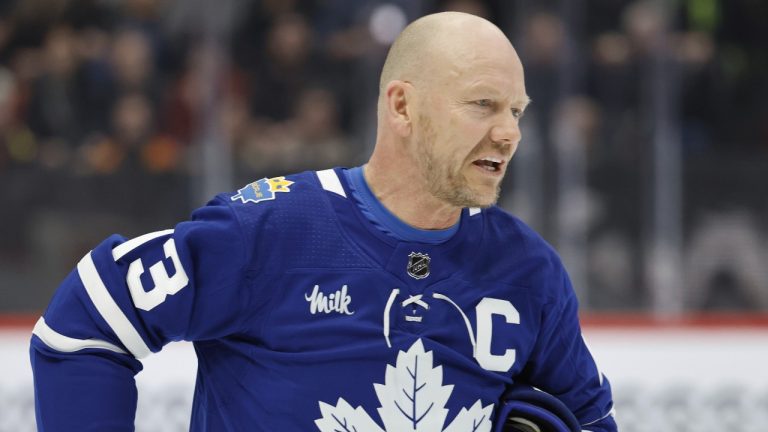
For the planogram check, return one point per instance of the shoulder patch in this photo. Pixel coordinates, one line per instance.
(262, 190)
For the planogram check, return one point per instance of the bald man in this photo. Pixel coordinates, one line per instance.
(389, 297)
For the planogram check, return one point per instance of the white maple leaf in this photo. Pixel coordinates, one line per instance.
(477, 419)
(344, 418)
(412, 398)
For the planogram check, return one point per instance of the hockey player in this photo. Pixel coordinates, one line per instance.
(389, 297)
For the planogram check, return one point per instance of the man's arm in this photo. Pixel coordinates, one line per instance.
(125, 300)
(563, 366)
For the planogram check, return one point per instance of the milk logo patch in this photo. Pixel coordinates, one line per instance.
(320, 302)
(418, 265)
(412, 398)
(262, 190)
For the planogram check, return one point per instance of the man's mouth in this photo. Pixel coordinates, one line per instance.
(489, 164)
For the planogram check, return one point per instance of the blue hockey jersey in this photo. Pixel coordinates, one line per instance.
(305, 316)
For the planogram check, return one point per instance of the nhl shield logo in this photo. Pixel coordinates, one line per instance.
(418, 265)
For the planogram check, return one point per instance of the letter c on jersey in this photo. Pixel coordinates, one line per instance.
(485, 311)
(164, 285)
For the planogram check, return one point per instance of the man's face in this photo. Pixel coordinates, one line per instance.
(467, 130)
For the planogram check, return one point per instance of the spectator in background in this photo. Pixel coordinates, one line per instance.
(353, 37)
(621, 80)
(132, 64)
(147, 16)
(701, 88)
(134, 145)
(17, 143)
(286, 68)
(250, 35)
(543, 50)
(128, 143)
(54, 111)
(209, 92)
(93, 44)
(18, 151)
(295, 120)
(319, 130)
(311, 137)
(134, 158)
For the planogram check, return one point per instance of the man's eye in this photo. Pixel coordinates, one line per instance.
(517, 113)
(483, 102)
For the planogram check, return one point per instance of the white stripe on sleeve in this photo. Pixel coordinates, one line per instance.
(331, 182)
(109, 310)
(61, 343)
(131, 244)
(611, 413)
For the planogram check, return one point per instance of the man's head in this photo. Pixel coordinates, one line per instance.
(451, 94)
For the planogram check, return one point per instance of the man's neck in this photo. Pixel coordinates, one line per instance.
(403, 192)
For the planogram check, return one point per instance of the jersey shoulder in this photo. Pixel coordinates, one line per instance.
(535, 261)
(507, 228)
(265, 194)
(291, 217)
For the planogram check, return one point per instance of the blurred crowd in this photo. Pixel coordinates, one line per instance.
(106, 107)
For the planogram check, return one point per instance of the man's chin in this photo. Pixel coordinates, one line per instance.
(463, 193)
(486, 198)
(473, 199)
(484, 203)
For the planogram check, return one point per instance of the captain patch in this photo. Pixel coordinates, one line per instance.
(262, 190)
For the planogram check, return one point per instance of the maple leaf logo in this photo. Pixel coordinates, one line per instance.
(412, 399)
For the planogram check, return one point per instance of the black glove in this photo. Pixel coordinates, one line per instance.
(525, 409)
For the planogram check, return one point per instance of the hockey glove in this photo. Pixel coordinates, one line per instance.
(525, 409)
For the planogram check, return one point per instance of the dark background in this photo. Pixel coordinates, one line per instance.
(644, 158)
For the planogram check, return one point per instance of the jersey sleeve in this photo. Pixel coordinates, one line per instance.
(125, 300)
(563, 366)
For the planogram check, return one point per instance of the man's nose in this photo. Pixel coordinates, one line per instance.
(507, 130)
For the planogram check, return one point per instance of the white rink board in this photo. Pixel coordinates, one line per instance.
(654, 357)
(638, 361)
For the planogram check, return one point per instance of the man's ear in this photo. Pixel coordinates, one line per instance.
(399, 106)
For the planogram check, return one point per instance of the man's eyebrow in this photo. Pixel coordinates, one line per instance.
(481, 87)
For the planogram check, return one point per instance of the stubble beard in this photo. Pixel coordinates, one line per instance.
(445, 181)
